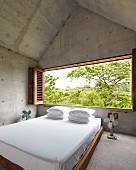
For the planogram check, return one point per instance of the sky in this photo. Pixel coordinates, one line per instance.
(63, 81)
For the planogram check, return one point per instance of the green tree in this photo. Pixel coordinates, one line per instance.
(82, 96)
(108, 85)
(112, 82)
(52, 95)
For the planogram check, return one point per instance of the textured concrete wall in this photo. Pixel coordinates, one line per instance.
(119, 11)
(13, 86)
(87, 36)
(126, 118)
(28, 26)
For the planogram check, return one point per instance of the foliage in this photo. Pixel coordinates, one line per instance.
(52, 94)
(108, 85)
(26, 114)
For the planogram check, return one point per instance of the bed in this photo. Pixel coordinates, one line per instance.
(43, 143)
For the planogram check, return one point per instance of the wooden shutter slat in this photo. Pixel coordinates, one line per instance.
(30, 86)
(37, 86)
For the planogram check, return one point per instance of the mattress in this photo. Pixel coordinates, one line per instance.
(43, 143)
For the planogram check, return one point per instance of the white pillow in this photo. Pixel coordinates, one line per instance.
(57, 112)
(78, 119)
(81, 117)
(54, 116)
(59, 108)
(82, 112)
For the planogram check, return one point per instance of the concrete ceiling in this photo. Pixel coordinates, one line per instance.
(29, 26)
(122, 12)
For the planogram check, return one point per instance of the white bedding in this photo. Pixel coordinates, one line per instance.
(42, 143)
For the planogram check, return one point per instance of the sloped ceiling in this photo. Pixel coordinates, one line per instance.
(122, 12)
(29, 26)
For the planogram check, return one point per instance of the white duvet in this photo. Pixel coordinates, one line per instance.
(58, 144)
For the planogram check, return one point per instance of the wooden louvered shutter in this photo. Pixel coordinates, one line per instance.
(134, 79)
(30, 86)
(36, 86)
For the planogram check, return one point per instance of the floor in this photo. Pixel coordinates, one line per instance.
(117, 154)
(110, 154)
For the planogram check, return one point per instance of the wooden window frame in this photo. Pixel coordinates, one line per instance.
(134, 79)
(123, 57)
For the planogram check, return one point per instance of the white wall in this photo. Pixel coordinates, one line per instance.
(14, 86)
(87, 36)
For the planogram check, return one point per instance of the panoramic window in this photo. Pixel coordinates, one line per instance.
(104, 85)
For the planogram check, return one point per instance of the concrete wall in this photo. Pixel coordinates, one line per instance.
(29, 26)
(119, 11)
(87, 36)
(13, 86)
(126, 118)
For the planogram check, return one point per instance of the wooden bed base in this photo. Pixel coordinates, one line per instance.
(85, 158)
(82, 164)
(8, 164)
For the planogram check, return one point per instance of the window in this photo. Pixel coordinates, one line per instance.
(34, 90)
(103, 85)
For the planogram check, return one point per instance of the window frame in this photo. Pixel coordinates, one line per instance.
(127, 56)
(134, 79)
(123, 57)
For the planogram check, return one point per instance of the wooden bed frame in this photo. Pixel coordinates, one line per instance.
(82, 163)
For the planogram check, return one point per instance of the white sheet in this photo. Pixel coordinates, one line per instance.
(46, 144)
